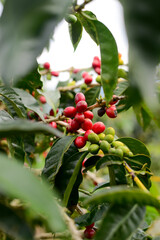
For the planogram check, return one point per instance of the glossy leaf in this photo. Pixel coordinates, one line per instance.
(13, 225)
(121, 88)
(13, 102)
(120, 221)
(20, 127)
(91, 161)
(55, 156)
(125, 195)
(92, 94)
(75, 31)
(20, 183)
(5, 116)
(136, 146)
(52, 97)
(35, 22)
(73, 178)
(108, 159)
(137, 161)
(29, 102)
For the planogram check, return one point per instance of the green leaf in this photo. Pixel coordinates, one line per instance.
(77, 170)
(13, 102)
(15, 144)
(120, 222)
(20, 127)
(29, 102)
(135, 146)
(25, 28)
(75, 31)
(136, 162)
(92, 94)
(125, 195)
(20, 183)
(140, 235)
(5, 116)
(107, 160)
(52, 97)
(13, 225)
(55, 156)
(109, 59)
(86, 18)
(121, 88)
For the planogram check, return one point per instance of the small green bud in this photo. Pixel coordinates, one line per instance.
(101, 136)
(93, 138)
(93, 148)
(105, 146)
(109, 138)
(110, 130)
(83, 86)
(98, 79)
(117, 144)
(70, 18)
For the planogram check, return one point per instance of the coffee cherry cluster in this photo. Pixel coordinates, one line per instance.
(87, 78)
(111, 110)
(96, 64)
(89, 232)
(104, 141)
(50, 73)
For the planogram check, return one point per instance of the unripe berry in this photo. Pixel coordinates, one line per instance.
(69, 112)
(93, 138)
(112, 151)
(98, 70)
(88, 114)
(70, 18)
(84, 74)
(83, 86)
(109, 138)
(125, 150)
(98, 127)
(101, 111)
(79, 97)
(87, 124)
(46, 65)
(111, 112)
(81, 106)
(53, 124)
(87, 133)
(80, 142)
(98, 79)
(117, 144)
(101, 136)
(55, 74)
(79, 117)
(93, 148)
(119, 152)
(89, 233)
(88, 79)
(105, 146)
(42, 99)
(74, 125)
(110, 130)
(112, 102)
(48, 76)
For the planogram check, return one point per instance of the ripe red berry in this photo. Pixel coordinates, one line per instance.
(69, 112)
(79, 97)
(80, 142)
(90, 226)
(98, 127)
(31, 115)
(76, 70)
(53, 124)
(83, 163)
(112, 102)
(79, 117)
(51, 113)
(88, 79)
(87, 133)
(84, 74)
(88, 114)
(33, 93)
(96, 63)
(42, 99)
(89, 233)
(46, 65)
(96, 58)
(111, 111)
(81, 106)
(74, 125)
(55, 74)
(87, 124)
(98, 70)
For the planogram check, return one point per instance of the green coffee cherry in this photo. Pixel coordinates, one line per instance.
(105, 146)
(119, 152)
(101, 136)
(70, 95)
(70, 18)
(93, 148)
(98, 79)
(48, 76)
(109, 138)
(125, 150)
(117, 144)
(110, 130)
(93, 138)
(83, 86)
(122, 73)
(130, 154)
(112, 150)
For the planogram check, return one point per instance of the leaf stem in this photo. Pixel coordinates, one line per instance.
(111, 175)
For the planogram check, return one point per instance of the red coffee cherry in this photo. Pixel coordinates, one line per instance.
(84, 74)
(90, 226)
(88, 114)
(31, 115)
(74, 125)
(89, 233)
(98, 127)
(87, 133)
(112, 102)
(80, 142)
(79, 97)
(98, 70)
(96, 63)
(46, 65)
(79, 117)
(55, 74)
(81, 106)
(76, 70)
(87, 124)
(53, 124)
(51, 113)
(88, 79)
(111, 111)
(42, 99)
(69, 112)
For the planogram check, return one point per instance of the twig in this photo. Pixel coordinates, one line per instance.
(80, 7)
(67, 88)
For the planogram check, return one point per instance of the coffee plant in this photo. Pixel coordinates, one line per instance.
(64, 172)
